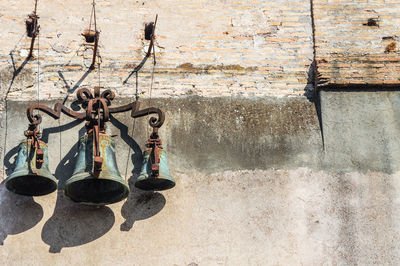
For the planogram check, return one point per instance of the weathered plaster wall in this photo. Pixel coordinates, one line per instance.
(361, 129)
(261, 217)
(253, 187)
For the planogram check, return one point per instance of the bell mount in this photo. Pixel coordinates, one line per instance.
(97, 113)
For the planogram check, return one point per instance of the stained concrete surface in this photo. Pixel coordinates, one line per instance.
(254, 187)
(361, 130)
(207, 134)
(258, 217)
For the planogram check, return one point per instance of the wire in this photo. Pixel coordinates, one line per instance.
(73, 55)
(129, 148)
(38, 73)
(151, 88)
(91, 15)
(5, 134)
(137, 86)
(94, 16)
(15, 47)
(98, 65)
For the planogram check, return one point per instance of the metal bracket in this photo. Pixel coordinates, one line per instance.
(97, 112)
(93, 105)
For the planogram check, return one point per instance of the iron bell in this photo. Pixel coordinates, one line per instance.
(32, 176)
(155, 174)
(101, 188)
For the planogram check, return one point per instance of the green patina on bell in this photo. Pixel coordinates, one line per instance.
(109, 187)
(30, 178)
(147, 180)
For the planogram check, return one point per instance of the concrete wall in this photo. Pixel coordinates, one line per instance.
(251, 217)
(254, 186)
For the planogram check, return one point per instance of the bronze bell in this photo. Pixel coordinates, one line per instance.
(96, 180)
(32, 176)
(155, 174)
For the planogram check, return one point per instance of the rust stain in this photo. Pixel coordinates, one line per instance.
(391, 47)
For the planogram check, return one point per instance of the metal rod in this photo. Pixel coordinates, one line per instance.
(152, 37)
(32, 44)
(96, 42)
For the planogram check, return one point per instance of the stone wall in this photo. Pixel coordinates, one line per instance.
(356, 42)
(206, 48)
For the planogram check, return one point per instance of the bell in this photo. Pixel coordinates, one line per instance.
(32, 176)
(149, 179)
(96, 180)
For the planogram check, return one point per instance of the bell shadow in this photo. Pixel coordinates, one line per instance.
(18, 213)
(74, 224)
(136, 156)
(140, 205)
(8, 165)
(51, 130)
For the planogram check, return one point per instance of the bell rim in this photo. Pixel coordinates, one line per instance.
(141, 184)
(85, 178)
(13, 178)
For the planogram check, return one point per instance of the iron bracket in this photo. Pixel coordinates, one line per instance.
(94, 104)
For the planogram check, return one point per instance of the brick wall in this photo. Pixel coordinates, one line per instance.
(357, 41)
(206, 48)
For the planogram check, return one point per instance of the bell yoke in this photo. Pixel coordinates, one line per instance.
(96, 179)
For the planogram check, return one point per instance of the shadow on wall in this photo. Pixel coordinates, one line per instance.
(312, 94)
(18, 213)
(140, 204)
(74, 224)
